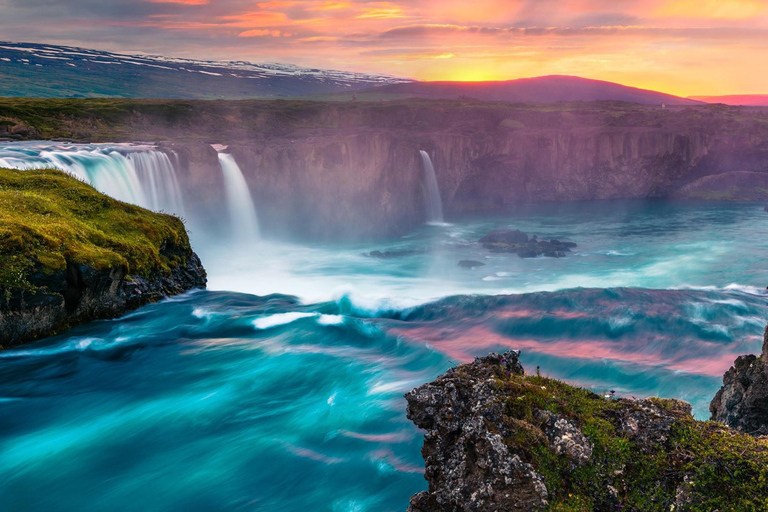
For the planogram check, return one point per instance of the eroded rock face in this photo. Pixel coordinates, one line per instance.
(742, 402)
(80, 294)
(497, 440)
(468, 465)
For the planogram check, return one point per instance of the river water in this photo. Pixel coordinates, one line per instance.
(280, 387)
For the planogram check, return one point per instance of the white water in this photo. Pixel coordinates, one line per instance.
(431, 191)
(140, 175)
(243, 220)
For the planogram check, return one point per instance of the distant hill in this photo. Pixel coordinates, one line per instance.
(545, 89)
(50, 71)
(747, 100)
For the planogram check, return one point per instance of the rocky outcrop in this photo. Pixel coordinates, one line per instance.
(498, 440)
(80, 294)
(69, 254)
(516, 242)
(742, 402)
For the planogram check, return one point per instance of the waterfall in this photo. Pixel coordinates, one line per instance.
(139, 175)
(244, 223)
(431, 191)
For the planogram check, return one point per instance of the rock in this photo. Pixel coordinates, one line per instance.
(399, 253)
(505, 236)
(80, 294)
(498, 440)
(468, 464)
(471, 264)
(742, 402)
(108, 258)
(565, 438)
(516, 242)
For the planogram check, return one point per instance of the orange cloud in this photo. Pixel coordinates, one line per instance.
(683, 47)
(263, 33)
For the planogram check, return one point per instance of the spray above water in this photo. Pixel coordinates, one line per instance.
(243, 221)
(431, 191)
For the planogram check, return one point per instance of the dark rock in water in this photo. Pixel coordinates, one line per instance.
(742, 402)
(471, 264)
(80, 294)
(505, 236)
(400, 253)
(498, 440)
(517, 242)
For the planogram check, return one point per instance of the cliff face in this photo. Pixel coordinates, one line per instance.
(742, 402)
(360, 174)
(497, 440)
(81, 293)
(69, 255)
(347, 168)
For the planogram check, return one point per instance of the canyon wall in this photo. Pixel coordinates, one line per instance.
(353, 169)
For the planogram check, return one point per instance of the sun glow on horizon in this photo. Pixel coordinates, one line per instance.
(683, 47)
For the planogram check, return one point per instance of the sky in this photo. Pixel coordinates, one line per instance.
(683, 47)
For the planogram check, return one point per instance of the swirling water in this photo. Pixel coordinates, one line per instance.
(238, 398)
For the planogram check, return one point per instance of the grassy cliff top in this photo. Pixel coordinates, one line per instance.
(646, 454)
(48, 218)
(110, 119)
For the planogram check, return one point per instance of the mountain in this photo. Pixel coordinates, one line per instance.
(37, 70)
(545, 89)
(746, 100)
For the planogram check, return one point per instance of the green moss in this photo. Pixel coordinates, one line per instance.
(48, 218)
(725, 470)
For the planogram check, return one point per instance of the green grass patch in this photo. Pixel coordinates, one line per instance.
(718, 468)
(48, 218)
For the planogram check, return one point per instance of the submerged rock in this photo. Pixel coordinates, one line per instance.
(498, 440)
(471, 264)
(514, 241)
(397, 253)
(742, 402)
(505, 236)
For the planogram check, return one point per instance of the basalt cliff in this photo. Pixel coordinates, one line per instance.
(329, 169)
(69, 254)
(499, 440)
(742, 402)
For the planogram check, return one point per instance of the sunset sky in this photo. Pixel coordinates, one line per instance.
(684, 47)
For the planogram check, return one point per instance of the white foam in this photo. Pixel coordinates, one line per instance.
(268, 322)
(330, 320)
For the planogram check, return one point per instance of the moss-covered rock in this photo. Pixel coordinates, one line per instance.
(498, 439)
(69, 254)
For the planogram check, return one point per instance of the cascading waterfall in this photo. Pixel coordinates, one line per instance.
(140, 175)
(431, 191)
(243, 221)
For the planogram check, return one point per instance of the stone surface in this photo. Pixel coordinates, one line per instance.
(742, 402)
(497, 440)
(80, 294)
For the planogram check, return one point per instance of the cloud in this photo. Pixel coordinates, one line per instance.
(681, 46)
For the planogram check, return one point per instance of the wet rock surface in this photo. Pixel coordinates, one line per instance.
(80, 294)
(497, 439)
(471, 264)
(516, 242)
(742, 402)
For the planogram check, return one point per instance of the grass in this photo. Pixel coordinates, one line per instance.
(116, 119)
(718, 468)
(48, 218)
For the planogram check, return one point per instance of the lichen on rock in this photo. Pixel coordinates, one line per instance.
(497, 439)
